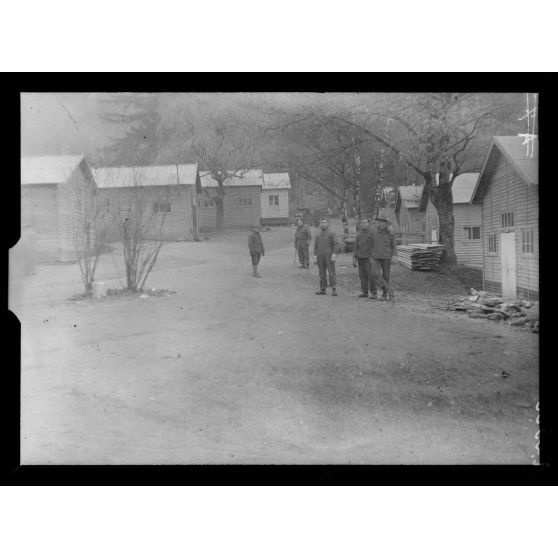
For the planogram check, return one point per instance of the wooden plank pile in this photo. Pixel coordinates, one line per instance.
(420, 256)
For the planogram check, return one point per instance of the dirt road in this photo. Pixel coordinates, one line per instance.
(234, 369)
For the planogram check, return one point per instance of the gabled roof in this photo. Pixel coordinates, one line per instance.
(48, 169)
(155, 175)
(461, 189)
(409, 196)
(249, 177)
(515, 151)
(276, 180)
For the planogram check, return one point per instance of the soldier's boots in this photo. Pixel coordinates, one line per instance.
(363, 295)
(320, 292)
(333, 292)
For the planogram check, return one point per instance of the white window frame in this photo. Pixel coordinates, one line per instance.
(495, 237)
(530, 243)
(508, 219)
(157, 207)
(469, 232)
(243, 203)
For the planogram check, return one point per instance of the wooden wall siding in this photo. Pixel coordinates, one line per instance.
(412, 225)
(207, 216)
(468, 252)
(39, 208)
(275, 211)
(242, 217)
(508, 192)
(176, 224)
(76, 202)
(403, 217)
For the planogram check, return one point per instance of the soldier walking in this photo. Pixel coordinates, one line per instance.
(383, 249)
(256, 247)
(326, 248)
(303, 236)
(362, 253)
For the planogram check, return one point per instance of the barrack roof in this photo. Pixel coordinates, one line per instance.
(246, 177)
(276, 180)
(154, 175)
(48, 169)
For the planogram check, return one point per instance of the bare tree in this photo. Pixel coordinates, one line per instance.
(438, 135)
(88, 240)
(217, 130)
(141, 222)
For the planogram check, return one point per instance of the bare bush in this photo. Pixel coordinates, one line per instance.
(141, 231)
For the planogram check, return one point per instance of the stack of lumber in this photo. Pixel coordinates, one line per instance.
(420, 256)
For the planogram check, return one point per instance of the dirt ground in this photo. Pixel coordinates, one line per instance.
(234, 369)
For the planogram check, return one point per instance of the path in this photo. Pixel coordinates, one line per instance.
(234, 369)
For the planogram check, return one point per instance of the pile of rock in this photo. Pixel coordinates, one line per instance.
(485, 306)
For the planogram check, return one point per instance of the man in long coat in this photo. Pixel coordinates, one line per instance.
(384, 248)
(362, 253)
(326, 248)
(256, 247)
(303, 236)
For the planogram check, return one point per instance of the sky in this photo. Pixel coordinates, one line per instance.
(62, 123)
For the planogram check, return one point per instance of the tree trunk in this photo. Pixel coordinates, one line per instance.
(219, 204)
(343, 210)
(442, 199)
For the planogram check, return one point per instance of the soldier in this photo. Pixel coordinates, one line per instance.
(326, 248)
(362, 253)
(303, 236)
(383, 249)
(256, 247)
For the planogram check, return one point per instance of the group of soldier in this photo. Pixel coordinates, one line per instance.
(372, 254)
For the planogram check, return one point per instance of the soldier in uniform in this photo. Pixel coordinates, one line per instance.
(326, 248)
(303, 236)
(362, 253)
(256, 247)
(383, 249)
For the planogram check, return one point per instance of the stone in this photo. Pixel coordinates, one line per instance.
(492, 301)
(496, 316)
(473, 298)
(532, 314)
(487, 309)
(473, 291)
(478, 315)
(518, 321)
(482, 293)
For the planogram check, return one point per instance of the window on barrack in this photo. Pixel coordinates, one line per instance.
(161, 208)
(471, 233)
(492, 243)
(507, 219)
(528, 241)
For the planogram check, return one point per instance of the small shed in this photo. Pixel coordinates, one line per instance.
(275, 198)
(57, 199)
(165, 196)
(410, 219)
(508, 189)
(468, 220)
(242, 201)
